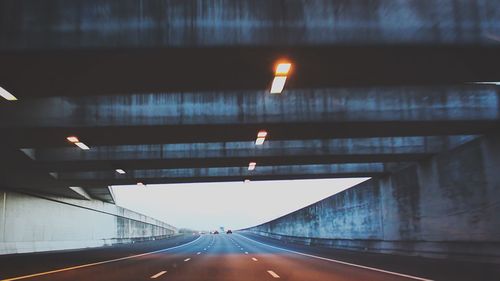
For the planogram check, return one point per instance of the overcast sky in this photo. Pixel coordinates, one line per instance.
(234, 205)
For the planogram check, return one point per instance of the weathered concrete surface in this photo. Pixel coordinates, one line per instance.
(334, 147)
(61, 223)
(359, 169)
(402, 104)
(447, 206)
(200, 23)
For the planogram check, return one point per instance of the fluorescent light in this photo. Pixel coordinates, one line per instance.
(278, 84)
(120, 171)
(283, 68)
(488, 83)
(6, 95)
(261, 137)
(82, 145)
(251, 166)
(262, 134)
(73, 139)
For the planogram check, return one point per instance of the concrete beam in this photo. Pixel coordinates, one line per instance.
(216, 116)
(132, 177)
(403, 104)
(333, 147)
(36, 182)
(231, 154)
(202, 23)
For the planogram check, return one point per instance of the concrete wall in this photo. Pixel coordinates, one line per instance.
(33, 224)
(170, 23)
(446, 207)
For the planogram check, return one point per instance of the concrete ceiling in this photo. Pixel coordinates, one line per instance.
(176, 91)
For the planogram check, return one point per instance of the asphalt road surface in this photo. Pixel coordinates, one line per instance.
(207, 257)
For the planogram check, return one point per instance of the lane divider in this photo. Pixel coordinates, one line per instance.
(158, 274)
(97, 263)
(341, 262)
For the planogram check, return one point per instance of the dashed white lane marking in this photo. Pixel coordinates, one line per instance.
(341, 262)
(188, 259)
(273, 274)
(254, 259)
(198, 253)
(246, 253)
(96, 263)
(158, 274)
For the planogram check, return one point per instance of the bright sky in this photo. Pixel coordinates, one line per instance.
(234, 205)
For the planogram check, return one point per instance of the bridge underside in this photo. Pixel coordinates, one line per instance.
(180, 95)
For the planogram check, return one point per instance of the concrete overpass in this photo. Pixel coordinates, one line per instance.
(176, 91)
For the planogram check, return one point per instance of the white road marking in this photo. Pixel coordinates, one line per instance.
(273, 274)
(158, 274)
(198, 253)
(96, 263)
(254, 259)
(341, 262)
(246, 253)
(188, 259)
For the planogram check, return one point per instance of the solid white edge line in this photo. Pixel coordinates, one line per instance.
(273, 274)
(96, 263)
(341, 262)
(158, 274)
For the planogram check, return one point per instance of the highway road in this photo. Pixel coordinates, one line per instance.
(206, 257)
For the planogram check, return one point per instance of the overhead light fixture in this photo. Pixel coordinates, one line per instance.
(77, 142)
(280, 74)
(73, 139)
(489, 83)
(278, 84)
(282, 69)
(82, 145)
(261, 137)
(259, 141)
(120, 171)
(6, 95)
(251, 166)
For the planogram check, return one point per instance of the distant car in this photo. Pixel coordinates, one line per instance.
(229, 232)
(216, 232)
